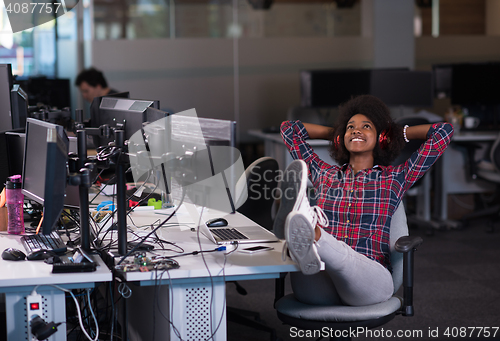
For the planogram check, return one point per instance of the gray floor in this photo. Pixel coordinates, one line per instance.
(457, 284)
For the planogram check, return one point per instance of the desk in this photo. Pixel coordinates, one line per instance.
(452, 174)
(196, 300)
(18, 278)
(275, 148)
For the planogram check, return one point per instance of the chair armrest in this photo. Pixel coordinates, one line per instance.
(407, 243)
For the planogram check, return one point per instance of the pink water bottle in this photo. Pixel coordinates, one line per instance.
(14, 200)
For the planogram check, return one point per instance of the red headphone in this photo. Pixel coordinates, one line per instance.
(383, 139)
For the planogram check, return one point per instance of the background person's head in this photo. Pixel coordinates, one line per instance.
(377, 112)
(92, 83)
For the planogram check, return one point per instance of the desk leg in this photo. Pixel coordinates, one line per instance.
(54, 311)
(198, 310)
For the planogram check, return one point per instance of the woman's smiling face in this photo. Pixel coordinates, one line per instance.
(360, 135)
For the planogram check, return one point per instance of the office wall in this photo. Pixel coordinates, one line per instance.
(199, 73)
(456, 49)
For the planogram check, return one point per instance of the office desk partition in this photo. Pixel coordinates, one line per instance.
(18, 278)
(194, 298)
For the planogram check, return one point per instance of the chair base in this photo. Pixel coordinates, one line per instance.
(334, 330)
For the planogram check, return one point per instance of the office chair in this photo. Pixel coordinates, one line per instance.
(261, 179)
(487, 170)
(341, 318)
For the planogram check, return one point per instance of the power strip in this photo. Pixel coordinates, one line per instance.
(34, 307)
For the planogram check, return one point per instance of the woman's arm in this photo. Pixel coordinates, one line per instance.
(418, 132)
(317, 131)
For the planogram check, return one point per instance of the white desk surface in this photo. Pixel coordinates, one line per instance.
(27, 273)
(238, 265)
(475, 136)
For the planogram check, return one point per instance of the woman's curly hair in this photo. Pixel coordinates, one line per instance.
(379, 114)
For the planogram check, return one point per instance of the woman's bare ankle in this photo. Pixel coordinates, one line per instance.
(317, 233)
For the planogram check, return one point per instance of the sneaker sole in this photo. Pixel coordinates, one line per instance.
(300, 241)
(289, 202)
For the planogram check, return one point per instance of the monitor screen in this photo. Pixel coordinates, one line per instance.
(114, 111)
(403, 87)
(45, 169)
(11, 153)
(330, 88)
(54, 92)
(19, 106)
(475, 84)
(5, 86)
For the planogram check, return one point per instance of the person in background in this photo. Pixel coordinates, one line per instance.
(92, 83)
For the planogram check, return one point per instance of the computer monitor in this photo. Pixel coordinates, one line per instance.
(5, 87)
(53, 92)
(114, 111)
(330, 88)
(442, 74)
(11, 153)
(475, 84)
(19, 106)
(403, 87)
(45, 169)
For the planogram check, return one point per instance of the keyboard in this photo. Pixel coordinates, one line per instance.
(35, 242)
(228, 234)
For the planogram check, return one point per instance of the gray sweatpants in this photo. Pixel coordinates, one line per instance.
(350, 278)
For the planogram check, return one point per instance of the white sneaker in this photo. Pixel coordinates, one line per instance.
(294, 198)
(299, 237)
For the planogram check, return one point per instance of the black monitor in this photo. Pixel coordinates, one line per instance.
(442, 74)
(5, 87)
(113, 111)
(329, 88)
(45, 169)
(403, 87)
(11, 153)
(19, 106)
(53, 92)
(475, 84)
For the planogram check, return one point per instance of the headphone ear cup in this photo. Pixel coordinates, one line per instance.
(384, 139)
(336, 142)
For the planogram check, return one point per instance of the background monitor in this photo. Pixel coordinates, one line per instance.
(394, 86)
(54, 92)
(45, 169)
(113, 111)
(475, 84)
(19, 106)
(5, 86)
(330, 88)
(403, 87)
(11, 153)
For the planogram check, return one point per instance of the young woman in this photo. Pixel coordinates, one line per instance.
(349, 228)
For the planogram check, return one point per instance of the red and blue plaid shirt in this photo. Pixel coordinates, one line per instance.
(360, 206)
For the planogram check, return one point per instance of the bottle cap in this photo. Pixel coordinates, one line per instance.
(14, 182)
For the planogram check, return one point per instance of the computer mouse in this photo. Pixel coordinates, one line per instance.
(217, 222)
(41, 254)
(13, 254)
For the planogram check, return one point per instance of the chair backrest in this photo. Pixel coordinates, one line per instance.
(399, 228)
(261, 178)
(495, 153)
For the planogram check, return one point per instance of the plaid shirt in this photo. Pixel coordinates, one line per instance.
(360, 206)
